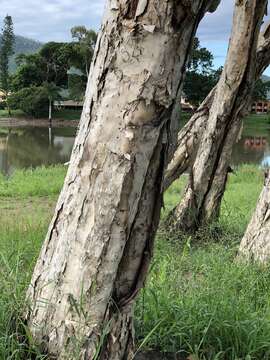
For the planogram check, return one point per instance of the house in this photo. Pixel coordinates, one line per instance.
(261, 107)
(2, 96)
(187, 106)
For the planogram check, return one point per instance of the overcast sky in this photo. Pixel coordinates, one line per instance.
(47, 20)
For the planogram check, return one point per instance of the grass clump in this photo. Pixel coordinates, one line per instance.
(205, 303)
(33, 182)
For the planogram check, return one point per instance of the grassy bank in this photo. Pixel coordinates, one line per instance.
(197, 300)
(62, 114)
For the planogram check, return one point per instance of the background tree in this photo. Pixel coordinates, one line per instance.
(6, 51)
(52, 92)
(63, 64)
(261, 90)
(201, 76)
(85, 45)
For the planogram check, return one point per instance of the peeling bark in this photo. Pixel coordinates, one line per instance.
(232, 96)
(255, 245)
(97, 251)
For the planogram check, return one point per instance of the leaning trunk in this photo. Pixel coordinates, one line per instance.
(232, 96)
(97, 252)
(212, 203)
(190, 135)
(255, 245)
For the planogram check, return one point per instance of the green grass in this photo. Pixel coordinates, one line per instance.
(197, 299)
(38, 182)
(14, 113)
(63, 114)
(67, 114)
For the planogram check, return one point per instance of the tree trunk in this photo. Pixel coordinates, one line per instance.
(50, 112)
(232, 96)
(97, 251)
(255, 245)
(190, 135)
(212, 204)
(187, 142)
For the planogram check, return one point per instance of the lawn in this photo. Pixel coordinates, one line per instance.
(198, 300)
(14, 113)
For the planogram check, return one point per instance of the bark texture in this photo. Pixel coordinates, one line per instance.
(97, 251)
(255, 245)
(232, 96)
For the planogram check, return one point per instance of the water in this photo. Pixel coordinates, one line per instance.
(34, 146)
(254, 145)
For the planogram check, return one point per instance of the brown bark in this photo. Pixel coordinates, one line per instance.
(255, 245)
(97, 251)
(232, 96)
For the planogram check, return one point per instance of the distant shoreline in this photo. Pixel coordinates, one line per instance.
(25, 122)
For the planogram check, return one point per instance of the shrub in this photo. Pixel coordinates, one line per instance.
(33, 101)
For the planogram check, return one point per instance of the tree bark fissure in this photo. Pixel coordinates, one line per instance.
(97, 252)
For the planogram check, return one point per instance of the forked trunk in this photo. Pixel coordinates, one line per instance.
(97, 252)
(232, 96)
(255, 245)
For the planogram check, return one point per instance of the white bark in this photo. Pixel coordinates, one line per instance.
(99, 245)
(255, 245)
(231, 98)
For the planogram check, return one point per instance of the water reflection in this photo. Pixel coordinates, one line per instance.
(254, 146)
(32, 147)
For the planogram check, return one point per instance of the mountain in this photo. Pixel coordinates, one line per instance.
(23, 45)
(265, 78)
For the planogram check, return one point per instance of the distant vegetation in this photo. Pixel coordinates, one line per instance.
(34, 76)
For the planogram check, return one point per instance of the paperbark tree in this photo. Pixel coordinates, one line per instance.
(220, 114)
(255, 245)
(98, 248)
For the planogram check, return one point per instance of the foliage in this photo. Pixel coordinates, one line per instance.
(85, 41)
(261, 90)
(65, 65)
(6, 50)
(54, 60)
(201, 76)
(76, 85)
(32, 101)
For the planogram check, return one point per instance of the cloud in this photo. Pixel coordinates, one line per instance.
(52, 19)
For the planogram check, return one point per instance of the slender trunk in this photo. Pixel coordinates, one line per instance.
(97, 252)
(187, 142)
(255, 245)
(232, 96)
(50, 111)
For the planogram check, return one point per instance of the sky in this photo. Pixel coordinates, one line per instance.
(51, 20)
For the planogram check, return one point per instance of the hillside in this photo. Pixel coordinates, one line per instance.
(23, 46)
